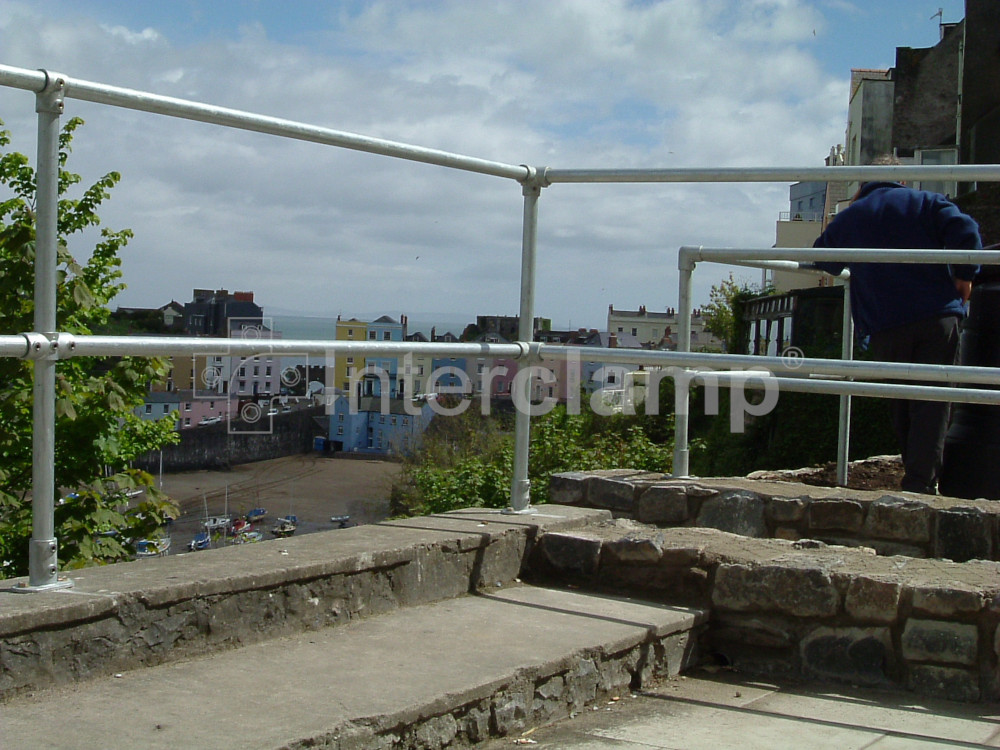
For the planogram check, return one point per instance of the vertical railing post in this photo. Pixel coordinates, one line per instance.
(844, 424)
(520, 487)
(43, 563)
(682, 393)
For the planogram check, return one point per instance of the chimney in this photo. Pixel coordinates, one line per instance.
(433, 333)
(642, 309)
(611, 308)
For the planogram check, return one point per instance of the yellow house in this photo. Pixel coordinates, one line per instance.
(347, 366)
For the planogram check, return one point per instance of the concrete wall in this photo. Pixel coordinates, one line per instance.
(222, 445)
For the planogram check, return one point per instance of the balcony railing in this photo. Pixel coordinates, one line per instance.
(800, 216)
(46, 346)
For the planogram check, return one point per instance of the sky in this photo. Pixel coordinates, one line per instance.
(569, 84)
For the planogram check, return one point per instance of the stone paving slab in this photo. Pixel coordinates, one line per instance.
(726, 710)
(347, 686)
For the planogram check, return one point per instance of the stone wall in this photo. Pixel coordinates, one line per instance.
(130, 615)
(803, 609)
(890, 523)
(219, 447)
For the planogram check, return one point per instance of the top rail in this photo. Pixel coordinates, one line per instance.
(959, 173)
(74, 88)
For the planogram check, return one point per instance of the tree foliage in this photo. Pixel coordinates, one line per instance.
(725, 315)
(97, 432)
(467, 461)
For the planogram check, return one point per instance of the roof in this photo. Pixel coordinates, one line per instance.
(641, 314)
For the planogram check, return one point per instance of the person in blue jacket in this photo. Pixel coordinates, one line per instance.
(911, 312)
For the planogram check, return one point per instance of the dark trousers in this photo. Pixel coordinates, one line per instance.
(920, 425)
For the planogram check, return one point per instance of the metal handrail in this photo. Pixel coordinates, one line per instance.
(46, 346)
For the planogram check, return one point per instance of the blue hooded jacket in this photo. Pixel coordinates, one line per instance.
(890, 215)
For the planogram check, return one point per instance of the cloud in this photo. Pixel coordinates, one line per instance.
(566, 84)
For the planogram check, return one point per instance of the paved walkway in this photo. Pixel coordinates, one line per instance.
(706, 711)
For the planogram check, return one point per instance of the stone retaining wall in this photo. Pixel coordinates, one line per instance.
(890, 523)
(129, 615)
(803, 609)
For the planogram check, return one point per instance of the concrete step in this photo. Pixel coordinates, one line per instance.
(452, 672)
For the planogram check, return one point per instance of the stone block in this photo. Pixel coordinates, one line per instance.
(944, 682)
(787, 533)
(634, 550)
(934, 640)
(571, 553)
(738, 512)
(873, 600)
(753, 631)
(893, 517)
(787, 509)
(569, 488)
(860, 656)
(947, 601)
(842, 515)
(963, 534)
(613, 493)
(682, 557)
(802, 592)
(664, 505)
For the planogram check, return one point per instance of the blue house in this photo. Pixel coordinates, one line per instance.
(382, 372)
(379, 426)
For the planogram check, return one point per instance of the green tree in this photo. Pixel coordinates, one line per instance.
(97, 432)
(725, 313)
(467, 461)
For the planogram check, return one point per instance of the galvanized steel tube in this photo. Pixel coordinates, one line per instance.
(959, 172)
(520, 486)
(233, 118)
(844, 421)
(43, 563)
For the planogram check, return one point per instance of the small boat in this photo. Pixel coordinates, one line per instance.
(152, 547)
(286, 526)
(248, 537)
(256, 514)
(202, 540)
(216, 523)
(241, 526)
(340, 521)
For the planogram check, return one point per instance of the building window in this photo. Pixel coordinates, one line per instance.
(187, 406)
(166, 408)
(243, 385)
(187, 421)
(392, 420)
(350, 360)
(149, 408)
(406, 421)
(243, 372)
(350, 333)
(340, 430)
(611, 378)
(211, 404)
(635, 331)
(340, 417)
(371, 335)
(381, 419)
(386, 336)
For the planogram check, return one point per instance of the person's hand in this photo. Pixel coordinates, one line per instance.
(964, 288)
